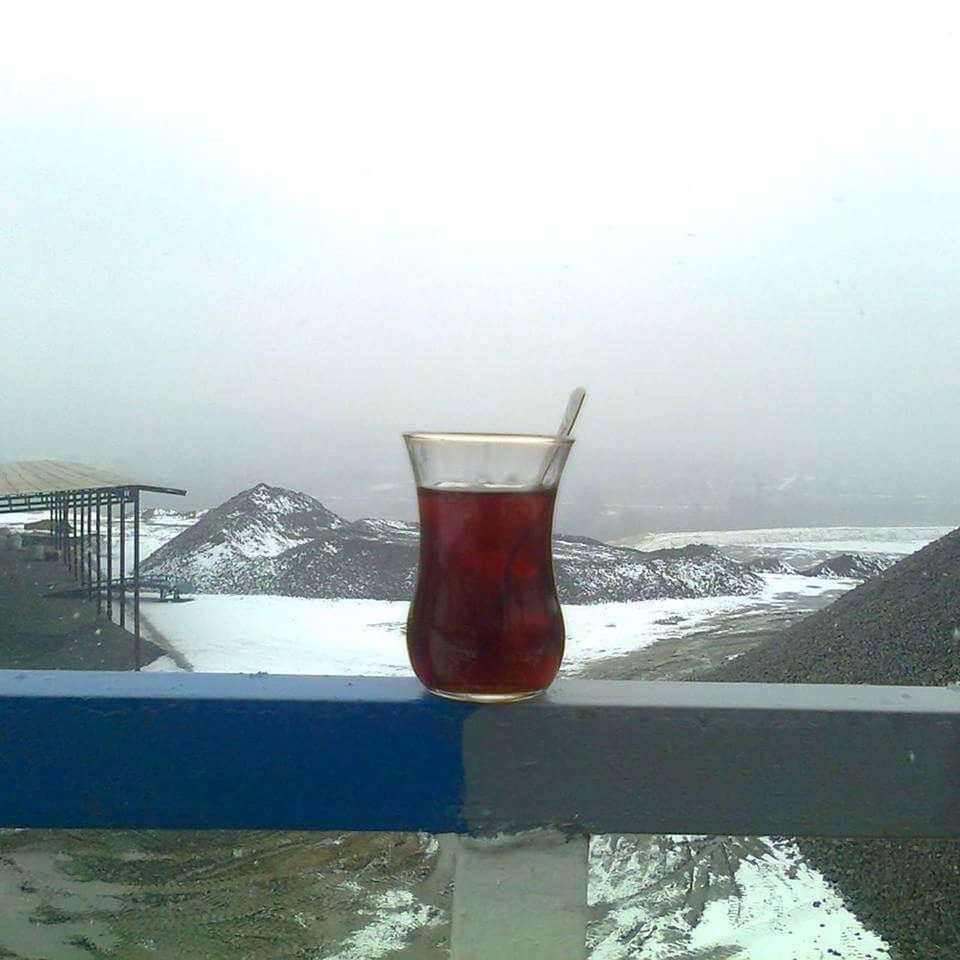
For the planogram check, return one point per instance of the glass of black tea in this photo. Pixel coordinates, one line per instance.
(485, 622)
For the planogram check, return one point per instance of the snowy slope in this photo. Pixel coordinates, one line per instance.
(588, 571)
(707, 898)
(168, 517)
(232, 547)
(855, 566)
(158, 525)
(374, 559)
(271, 541)
(247, 634)
(800, 545)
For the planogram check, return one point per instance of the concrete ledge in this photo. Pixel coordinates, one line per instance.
(85, 749)
(719, 758)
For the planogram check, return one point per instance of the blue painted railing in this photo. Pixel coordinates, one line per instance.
(183, 750)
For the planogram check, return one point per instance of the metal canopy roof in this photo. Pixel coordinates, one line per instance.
(73, 495)
(34, 478)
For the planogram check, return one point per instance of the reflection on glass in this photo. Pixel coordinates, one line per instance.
(72, 895)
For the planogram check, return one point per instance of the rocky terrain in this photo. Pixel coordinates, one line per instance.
(167, 516)
(235, 545)
(268, 540)
(851, 566)
(901, 627)
(770, 565)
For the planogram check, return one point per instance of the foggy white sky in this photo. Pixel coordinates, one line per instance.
(246, 247)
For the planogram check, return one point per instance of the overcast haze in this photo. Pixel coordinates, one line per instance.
(238, 248)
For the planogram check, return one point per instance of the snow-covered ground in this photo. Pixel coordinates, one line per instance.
(247, 634)
(154, 533)
(681, 898)
(901, 540)
(799, 546)
(15, 521)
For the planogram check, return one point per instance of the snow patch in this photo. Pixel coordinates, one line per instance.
(395, 915)
(250, 633)
(890, 540)
(666, 898)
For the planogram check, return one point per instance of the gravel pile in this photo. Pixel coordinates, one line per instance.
(903, 627)
(855, 566)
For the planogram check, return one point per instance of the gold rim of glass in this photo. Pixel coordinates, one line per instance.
(529, 439)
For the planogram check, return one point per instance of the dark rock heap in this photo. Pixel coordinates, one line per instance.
(901, 627)
(852, 566)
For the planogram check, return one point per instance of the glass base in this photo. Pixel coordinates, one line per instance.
(485, 697)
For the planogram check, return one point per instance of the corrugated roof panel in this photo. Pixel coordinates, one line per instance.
(37, 477)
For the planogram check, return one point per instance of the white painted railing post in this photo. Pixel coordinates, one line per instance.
(520, 895)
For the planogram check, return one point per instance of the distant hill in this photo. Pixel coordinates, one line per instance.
(901, 627)
(770, 565)
(232, 547)
(850, 566)
(588, 571)
(268, 540)
(166, 515)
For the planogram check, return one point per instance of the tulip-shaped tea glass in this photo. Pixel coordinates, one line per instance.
(485, 622)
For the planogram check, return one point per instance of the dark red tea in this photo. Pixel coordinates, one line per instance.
(485, 620)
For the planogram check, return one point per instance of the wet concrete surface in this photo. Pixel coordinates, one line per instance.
(42, 627)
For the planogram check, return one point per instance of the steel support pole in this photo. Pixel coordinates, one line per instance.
(99, 593)
(136, 579)
(82, 509)
(123, 557)
(82, 545)
(81, 502)
(88, 496)
(110, 555)
(85, 541)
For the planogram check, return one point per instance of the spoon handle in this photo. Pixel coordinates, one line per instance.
(572, 412)
(566, 426)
